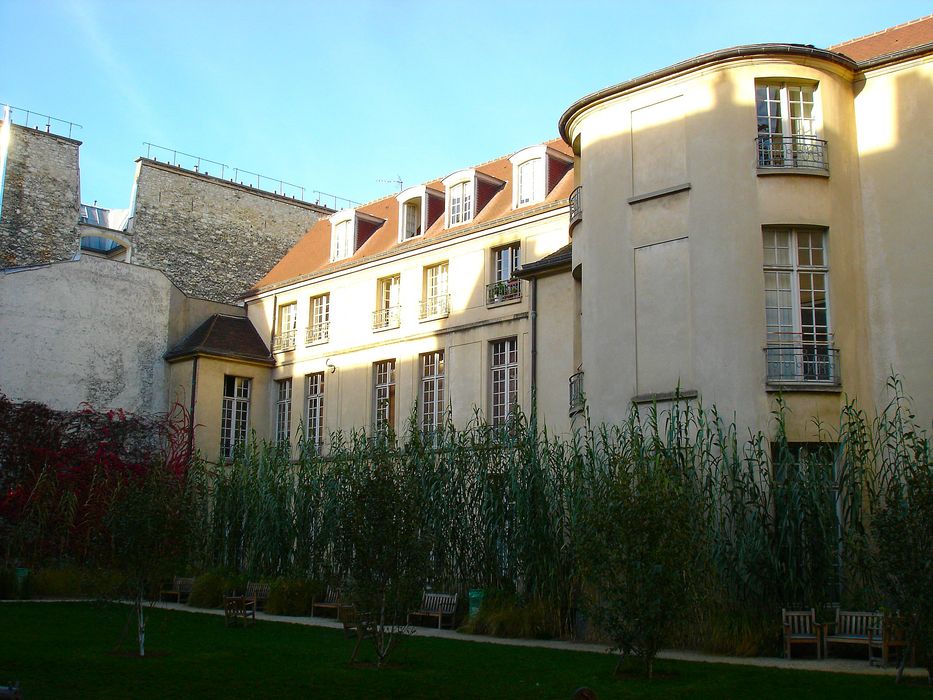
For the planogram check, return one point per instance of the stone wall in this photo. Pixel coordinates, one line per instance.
(41, 195)
(213, 238)
(93, 330)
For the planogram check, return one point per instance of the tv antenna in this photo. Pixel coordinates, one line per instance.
(398, 181)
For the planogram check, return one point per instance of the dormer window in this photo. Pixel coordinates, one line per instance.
(350, 229)
(419, 208)
(535, 172)
(343, 240)
(468, 191)
(461, 203)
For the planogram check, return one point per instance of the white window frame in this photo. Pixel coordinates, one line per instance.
(530, 182)
(314, 409)
(788, 117)
(413, 217)
(460, 198)
(798, 324)
(505, 260)
(283, 410)
(503, 379)
(286, 326)
(433, 397)
(318, 319)
(436, 295)
(344, 239)
(234, 415)
(387, 302)
(384, 383)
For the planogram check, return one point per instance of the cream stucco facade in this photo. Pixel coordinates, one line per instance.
(682, 193)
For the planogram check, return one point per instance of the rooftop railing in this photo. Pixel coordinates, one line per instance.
(36, 120)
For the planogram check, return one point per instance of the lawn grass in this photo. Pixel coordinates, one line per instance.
(67, 650)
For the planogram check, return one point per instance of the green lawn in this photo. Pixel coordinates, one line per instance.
(67, 650)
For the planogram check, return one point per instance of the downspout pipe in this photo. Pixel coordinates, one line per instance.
(191, 405)
(534, 344)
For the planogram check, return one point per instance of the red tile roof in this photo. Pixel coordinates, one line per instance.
(904, 36)
(312, 252)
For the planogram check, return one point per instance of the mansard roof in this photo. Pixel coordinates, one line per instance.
(310, 257)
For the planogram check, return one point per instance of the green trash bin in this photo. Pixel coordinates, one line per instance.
(476, 600)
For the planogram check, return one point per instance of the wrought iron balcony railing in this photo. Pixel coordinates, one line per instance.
(284, 341)
(506, 290)
(318, 333)
(434, 307)
(576, 207)
(384, 319)
(803, 363)
(804, 152)
(576, 393)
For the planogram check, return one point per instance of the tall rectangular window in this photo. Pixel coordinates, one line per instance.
(505, 261)
(412, 218)
(384, 396)
(435, 302)
(314, 409)
(461, 203)
(787, 134)
(503, 378)
(234, 417)
(386, 314)
(530, 182)
(432, 391)
(283, 411)
(799, 337)
(286, 327)
(342, 244)
(319, 320)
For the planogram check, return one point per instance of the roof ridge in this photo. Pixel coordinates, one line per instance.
(469, 167)
(882, 31)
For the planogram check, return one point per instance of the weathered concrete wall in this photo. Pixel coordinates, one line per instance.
(41, 194)
(93, 330)
(213, 238)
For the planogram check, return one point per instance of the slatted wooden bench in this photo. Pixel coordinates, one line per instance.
(801, 627)
(851, 627)
(180, 590)
(332, 601)
(891, 635)
(256, 596)
(440, 606)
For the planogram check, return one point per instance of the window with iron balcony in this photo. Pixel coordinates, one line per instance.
(387, 314)
(436, 301)
(504, 288)
(787, 128)
(286, 328)
(799, 348)
(319, 320)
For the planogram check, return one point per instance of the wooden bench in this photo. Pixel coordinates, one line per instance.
(180, 590)
(801, 627)
(851, 627)
(332, 601)
(238, 610)
(437, 605)
(891, 635)
(256, 596)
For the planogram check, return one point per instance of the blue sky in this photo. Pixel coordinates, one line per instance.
(337, 96)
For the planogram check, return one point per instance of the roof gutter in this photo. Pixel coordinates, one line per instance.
(730, 54)
(896, 56)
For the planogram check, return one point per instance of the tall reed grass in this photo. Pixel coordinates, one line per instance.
(778, 524)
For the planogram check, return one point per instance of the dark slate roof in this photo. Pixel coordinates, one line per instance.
(560, 258)
(223, 336)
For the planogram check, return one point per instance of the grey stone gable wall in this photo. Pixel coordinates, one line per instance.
(213, 238)
(41, 198)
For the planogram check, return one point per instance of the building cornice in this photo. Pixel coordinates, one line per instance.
(720, 56)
